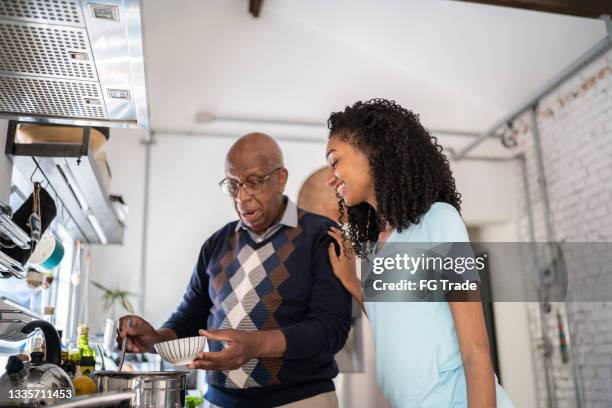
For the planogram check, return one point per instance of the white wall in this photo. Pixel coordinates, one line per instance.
(119, 266)
(488, 190)
(511, 327)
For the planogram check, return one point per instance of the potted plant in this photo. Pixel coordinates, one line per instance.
(111, 298)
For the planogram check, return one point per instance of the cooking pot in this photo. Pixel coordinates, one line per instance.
(159, 389)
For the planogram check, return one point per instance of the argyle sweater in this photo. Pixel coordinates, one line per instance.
(285, 282)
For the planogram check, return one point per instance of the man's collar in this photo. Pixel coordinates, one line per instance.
(289, 218)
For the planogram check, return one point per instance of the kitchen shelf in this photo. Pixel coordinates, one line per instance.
(72, 174)
(13, 318)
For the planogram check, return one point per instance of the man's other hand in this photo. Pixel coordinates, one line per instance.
(239, 347)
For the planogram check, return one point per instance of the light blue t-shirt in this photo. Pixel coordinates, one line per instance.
(418, 360)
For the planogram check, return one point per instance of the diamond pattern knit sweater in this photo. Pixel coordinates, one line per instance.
(285, 282)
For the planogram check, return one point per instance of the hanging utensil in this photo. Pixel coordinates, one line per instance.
(34, 219)
(22, 218)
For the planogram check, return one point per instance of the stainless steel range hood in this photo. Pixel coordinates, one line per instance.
(77, 62)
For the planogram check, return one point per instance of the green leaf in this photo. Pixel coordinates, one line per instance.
(101, 287)
(111, 297)
(127, 305)
(107, 304)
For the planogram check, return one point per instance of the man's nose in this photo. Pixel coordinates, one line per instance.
(242, 195)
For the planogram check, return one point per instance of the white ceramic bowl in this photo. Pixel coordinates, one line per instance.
(181, 351)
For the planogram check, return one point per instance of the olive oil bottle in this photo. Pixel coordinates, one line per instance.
(87, 361)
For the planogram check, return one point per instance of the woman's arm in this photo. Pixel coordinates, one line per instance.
(474, 345)
(344, 267)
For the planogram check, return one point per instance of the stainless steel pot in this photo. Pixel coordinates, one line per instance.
(152, 389)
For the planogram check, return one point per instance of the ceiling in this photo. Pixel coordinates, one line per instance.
(461, 66)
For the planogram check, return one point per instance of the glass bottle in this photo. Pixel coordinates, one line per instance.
(74, 360)
(64, 350)
(88, 355)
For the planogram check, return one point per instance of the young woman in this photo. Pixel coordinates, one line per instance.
(394, 185)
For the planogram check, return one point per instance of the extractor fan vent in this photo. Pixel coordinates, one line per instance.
(73, 62)
(65, 12)
(46, 50)
(73, 99)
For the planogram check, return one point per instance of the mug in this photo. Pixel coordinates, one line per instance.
(48, 252)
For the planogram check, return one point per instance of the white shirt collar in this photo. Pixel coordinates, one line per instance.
(289, 218)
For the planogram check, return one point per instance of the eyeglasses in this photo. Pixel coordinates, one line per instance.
(251, 187)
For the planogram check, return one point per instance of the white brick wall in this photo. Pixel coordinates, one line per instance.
(575, 123)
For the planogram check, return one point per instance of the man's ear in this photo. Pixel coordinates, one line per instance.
(283, 175)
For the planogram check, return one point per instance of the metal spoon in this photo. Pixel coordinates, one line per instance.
(123, 346)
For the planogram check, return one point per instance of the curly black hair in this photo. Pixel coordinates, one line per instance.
(408, 165)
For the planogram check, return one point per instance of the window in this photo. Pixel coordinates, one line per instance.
(60, 293)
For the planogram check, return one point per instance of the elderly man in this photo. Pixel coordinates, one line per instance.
(264, 289)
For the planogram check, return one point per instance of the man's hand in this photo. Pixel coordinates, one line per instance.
(141, 335)
(241, 346)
